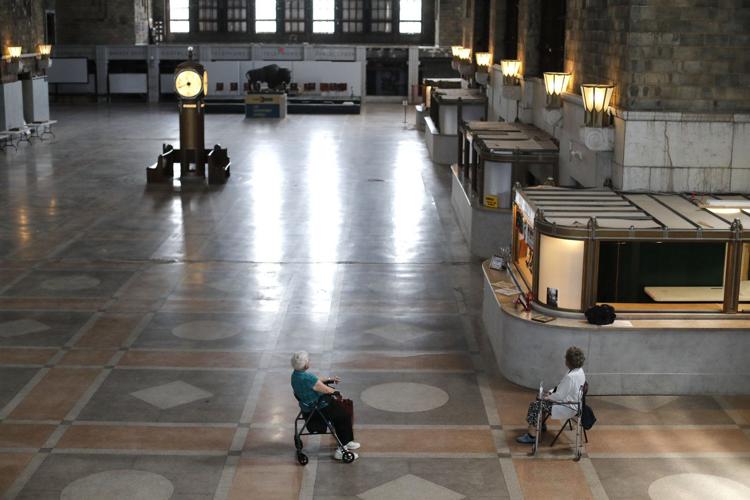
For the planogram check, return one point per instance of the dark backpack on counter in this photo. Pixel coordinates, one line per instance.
(603, 314)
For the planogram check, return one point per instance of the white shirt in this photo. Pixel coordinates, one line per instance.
(568, 390)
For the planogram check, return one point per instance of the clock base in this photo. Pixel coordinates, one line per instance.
(216, 169)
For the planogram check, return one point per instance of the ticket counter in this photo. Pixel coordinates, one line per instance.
(644, 252)
(674, 267)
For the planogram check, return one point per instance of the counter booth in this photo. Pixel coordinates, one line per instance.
(675, 267)
(638, 252)
(428, 86)
(441, 126)
(431, 84)
(492, 158)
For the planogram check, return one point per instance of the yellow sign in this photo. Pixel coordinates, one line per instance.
(490, 201)
(264, 98)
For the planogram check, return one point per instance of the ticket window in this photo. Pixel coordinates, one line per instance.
(744, 305)
(560, 272)
(662, 276)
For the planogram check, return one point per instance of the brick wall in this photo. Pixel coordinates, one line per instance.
(142, 14)
(689, 55)
(103, 22)
(22, 23)
(450, 22)
(529, 25)
(596, 43)
(467, 23)
(497, 29)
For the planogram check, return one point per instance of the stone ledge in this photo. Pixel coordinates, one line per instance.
(677, 116)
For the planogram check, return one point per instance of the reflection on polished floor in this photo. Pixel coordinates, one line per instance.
(145, 333)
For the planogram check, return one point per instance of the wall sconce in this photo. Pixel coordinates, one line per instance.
(43, 56)
(596, 97)
(456, 52)
(555, 84)
(14, 53)
(511, 69)
(484, 60)
(465, 64)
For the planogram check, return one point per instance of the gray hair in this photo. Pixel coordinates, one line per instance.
(300, 359)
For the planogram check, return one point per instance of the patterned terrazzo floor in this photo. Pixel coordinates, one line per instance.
(145, 333)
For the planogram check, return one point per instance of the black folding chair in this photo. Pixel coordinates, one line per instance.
(578, 405)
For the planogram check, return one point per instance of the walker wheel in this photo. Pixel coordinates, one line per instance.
(347, 457)
(302, 459)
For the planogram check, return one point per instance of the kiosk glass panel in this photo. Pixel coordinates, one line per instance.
(664, 275)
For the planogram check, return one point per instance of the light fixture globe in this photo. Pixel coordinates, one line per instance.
(555, 84)
(45, 50)
(511, 69)
(596, 97)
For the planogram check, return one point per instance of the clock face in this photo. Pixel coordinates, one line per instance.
(188, 83)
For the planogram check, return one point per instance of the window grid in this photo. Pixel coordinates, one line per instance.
(352, 16)
(324, 16)
(208, 15)
(410, 17)
(294, 16)
(237, 16)
(265, 16)
(179, 16)
(382, 16)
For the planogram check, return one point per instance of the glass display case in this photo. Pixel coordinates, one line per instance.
(647, 252)
(444, 104)
(527, 157)
(469, 132)
(430, 84)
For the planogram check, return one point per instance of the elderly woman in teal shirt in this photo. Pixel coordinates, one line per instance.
(309, 388)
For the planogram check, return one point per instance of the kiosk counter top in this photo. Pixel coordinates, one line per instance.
(524, 142)
(626, 320)
(694, 293)
(444, 83)
(476, 126)
(451, 96)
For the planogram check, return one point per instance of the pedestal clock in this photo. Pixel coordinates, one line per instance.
(191, 86)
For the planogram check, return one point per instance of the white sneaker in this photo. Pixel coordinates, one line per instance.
(352, 445)
(339, 455)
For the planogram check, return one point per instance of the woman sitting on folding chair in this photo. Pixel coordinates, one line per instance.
(567, 390)
(309, 389)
